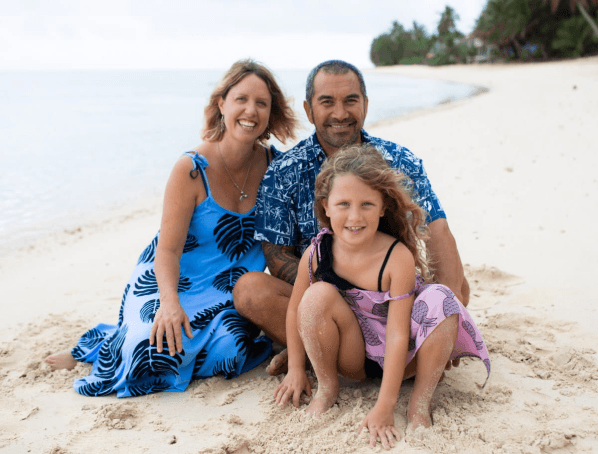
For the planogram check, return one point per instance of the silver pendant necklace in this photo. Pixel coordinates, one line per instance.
(241, 190)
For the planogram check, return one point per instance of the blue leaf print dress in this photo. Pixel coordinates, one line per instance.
(218, 250)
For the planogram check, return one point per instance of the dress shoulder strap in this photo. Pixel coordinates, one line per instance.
(199, 165)
(384, 264)
(418, 282)
(315, 242)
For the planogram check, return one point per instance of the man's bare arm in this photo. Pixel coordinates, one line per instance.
(282, 261)
(445, 259)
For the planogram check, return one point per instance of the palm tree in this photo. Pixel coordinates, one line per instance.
(448, 18)
(582, 5)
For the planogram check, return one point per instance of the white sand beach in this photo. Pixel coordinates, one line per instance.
(515, 168)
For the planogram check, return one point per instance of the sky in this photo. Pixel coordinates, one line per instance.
(205, 34)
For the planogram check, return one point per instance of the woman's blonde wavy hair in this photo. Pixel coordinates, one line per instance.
(403, 219)
(282, 121)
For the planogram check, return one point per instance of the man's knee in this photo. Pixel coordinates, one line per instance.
(246, 292)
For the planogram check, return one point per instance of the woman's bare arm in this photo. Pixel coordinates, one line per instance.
(181, 196)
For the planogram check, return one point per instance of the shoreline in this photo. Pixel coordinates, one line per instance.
(444, 104)
(151, 198)
(514, 170)
(40, 202)
(477, 90)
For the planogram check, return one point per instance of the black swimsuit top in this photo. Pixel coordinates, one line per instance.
(324, 271)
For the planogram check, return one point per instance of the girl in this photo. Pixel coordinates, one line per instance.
(355, 314)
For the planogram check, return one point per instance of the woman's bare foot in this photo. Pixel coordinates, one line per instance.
(279, 364)
(61, 360)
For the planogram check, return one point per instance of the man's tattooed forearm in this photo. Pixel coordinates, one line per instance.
(281, 261)
(288, 271)
(272, 252)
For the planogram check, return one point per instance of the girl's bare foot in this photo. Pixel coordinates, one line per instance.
(416, 426)
(279, 364)
(323, 400)
(62, 360)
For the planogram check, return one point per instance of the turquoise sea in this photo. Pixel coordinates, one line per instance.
(76, 144)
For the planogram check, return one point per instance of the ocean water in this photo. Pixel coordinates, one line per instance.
(76, 144)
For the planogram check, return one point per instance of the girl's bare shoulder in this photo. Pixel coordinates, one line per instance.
(401, 255)
(399, 251)
(399, 260)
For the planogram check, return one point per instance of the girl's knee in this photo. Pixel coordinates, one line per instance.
(452, 321)
(448, 329)
(322, 290)
(442, 292)
(317, 298)
(443, 336)
(315, 306)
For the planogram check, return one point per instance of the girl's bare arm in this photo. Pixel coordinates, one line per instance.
(380, 420)
(296, 380)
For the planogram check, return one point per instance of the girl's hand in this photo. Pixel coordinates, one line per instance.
(292, 386)
(168, 320)
(380, 423)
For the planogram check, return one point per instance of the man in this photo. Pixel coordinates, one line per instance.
(336, 104)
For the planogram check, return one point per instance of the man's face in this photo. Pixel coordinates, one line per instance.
(338, 110)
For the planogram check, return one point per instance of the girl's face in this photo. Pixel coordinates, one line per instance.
(354, 209)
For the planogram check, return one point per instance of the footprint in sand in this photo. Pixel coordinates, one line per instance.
(487, 285)
(216, 391)
(547, 348)
(117, 416)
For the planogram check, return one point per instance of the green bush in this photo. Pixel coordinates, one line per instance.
(400, 46)
(573, 36)
(411, 60)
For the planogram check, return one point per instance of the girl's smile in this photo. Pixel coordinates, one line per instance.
(354, 209)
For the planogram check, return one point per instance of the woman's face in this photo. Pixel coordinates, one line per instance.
(354, 209)
(246, 109)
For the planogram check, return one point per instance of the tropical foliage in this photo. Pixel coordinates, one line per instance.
(526, 29)
(518, 29)
(401, 46)
(582, 6)
(449, 48)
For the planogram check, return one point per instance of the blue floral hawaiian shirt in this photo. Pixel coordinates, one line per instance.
(284, 212)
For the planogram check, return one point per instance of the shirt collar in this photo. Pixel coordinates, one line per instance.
(319, 151)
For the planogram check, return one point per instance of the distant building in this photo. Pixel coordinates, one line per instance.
(484, 51)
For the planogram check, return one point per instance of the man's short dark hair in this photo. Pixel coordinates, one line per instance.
(332, 67)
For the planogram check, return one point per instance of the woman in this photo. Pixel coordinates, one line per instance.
(177, 321)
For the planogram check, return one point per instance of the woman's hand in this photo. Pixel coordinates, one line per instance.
(381, 423)
(294, 383)
(168, 320)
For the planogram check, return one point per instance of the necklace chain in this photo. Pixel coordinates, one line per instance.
(241, 190)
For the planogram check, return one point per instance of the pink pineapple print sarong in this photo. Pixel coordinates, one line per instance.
(433, 303)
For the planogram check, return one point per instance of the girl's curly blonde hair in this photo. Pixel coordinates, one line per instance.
(403, 218)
